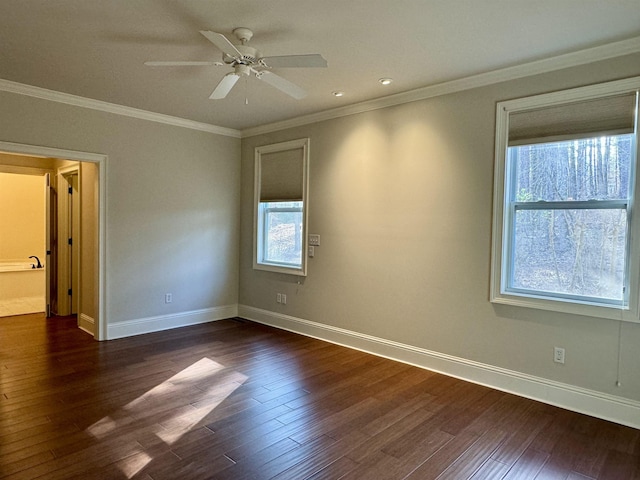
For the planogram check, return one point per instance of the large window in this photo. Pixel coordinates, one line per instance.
(564, 219)
(281, 191)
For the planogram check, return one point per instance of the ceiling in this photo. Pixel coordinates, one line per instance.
(97, 48)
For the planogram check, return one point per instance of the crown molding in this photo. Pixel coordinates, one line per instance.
(573, 59)
(77, 101)
(559, 62)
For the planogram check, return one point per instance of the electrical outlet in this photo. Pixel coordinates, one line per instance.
(284, 298)
(278, 298)
(558, 354)
(168, 298)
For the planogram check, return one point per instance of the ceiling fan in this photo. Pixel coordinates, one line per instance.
(246, 60)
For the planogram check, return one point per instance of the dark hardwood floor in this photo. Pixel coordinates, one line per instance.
(237, 400)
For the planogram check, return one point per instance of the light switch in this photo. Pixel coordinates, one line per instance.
(314, 240)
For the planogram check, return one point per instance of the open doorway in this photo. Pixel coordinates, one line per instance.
(75, 248)
(23, 268)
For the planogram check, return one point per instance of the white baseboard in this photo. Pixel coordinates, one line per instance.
(87, 324)
(590, 402)
(166, 322)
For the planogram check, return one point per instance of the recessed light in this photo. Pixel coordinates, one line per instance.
(385, 81)
(337, 94)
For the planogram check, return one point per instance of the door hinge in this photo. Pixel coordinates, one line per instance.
(71, 241)
(70, 191)
(69, 292)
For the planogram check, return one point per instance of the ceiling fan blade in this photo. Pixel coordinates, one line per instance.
(282, 84)
(222, 43)
(314, 60)
(225, 86)
(182, 64)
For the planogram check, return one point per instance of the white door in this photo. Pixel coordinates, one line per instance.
(50, 260)
(69, 243)
(74, 243)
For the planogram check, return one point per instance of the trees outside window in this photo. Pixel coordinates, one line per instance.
(282, 235)
(568, 203)
(566, 235)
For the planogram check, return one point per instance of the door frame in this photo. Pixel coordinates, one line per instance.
(69, 257)
(101, 162)
(51, 247)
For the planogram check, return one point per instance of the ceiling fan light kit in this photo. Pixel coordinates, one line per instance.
(246, 60)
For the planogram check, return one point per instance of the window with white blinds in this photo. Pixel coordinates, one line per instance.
(280, 209)
(565, 202)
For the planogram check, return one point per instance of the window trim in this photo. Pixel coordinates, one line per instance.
(498, 295)
(258, 264)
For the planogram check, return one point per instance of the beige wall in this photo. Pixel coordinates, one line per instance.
(22, 217)
(172, 204)
(402, 199)
(20, 163)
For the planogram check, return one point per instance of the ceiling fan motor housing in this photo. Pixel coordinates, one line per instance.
(250, 56)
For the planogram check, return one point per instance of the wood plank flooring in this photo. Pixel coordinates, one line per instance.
(236, 400)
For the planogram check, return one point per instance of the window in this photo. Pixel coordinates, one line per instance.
(281, 207)
(564, 202)
(281, 229)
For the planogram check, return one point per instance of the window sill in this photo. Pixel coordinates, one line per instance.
(571, 307)
(269, 267)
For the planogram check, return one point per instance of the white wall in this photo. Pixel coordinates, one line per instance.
(172, 209)
(402, 199)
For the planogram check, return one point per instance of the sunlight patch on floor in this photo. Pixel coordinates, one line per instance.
(130, 466)
(189, 377)
(102, 427)
(214, 392)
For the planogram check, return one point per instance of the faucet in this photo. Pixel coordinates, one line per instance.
(33, 265)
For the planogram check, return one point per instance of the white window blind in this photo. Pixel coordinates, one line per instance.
(602, 116)
(281, 176)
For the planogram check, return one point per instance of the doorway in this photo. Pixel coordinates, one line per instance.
(87, 261)
(22, 243)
